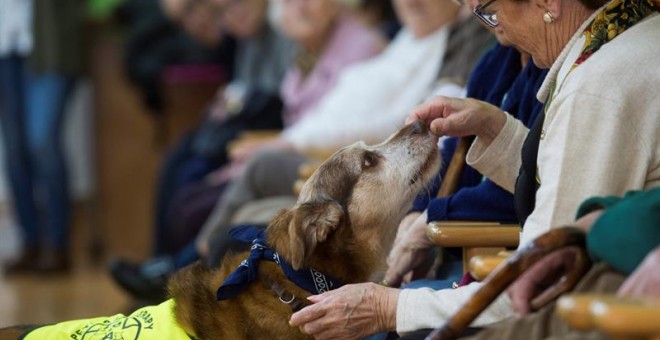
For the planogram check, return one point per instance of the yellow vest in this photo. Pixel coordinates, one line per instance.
(152, 322)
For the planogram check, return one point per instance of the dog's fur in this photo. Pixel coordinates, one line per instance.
(342, 225)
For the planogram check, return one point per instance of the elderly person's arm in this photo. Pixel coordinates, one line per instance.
(355, 311)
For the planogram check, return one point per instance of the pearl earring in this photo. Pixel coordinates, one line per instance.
(548, 18)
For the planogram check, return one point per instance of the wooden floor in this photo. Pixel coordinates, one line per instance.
(86, 292)
(119, 216)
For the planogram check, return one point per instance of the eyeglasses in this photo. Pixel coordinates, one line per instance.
(488, 18)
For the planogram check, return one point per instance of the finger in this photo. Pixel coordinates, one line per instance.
(628, 287)
(407, 278)
(392, 279)
(394, 255)
(320, 297)
(520, 299)
(447, 127)
(395, 273)
(428, 111)
(568, 281)
(306, 315)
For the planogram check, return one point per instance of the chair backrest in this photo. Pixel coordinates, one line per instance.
(455, 168)
(475, 237)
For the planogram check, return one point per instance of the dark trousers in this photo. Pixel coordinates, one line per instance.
(189, 209)
(181, 168)
(32, 110)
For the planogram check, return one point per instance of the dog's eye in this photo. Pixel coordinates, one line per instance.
(369, 160)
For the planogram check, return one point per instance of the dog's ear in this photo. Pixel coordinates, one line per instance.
(308, 225)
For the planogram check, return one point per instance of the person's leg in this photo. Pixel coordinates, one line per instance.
(219, 246)
(45, 121)
(189, 209)
(268, 174)
(166, 186)
(19, 171)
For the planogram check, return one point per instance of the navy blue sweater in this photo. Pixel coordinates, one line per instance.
(499, 80)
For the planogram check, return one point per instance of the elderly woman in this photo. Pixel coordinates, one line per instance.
(598, 136)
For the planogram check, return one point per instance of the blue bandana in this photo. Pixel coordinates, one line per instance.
(310, 280)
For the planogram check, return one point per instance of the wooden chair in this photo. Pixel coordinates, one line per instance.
(508, 272)
(187, 90)
(475, 237)
(481, 266)
(252, 136)
(620, 318)
(304, 173)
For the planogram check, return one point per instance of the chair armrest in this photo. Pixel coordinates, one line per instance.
(260, 134)
(251, 137)
(319, 154)
(473, 234)
(306, 170)
(482, 266)
(623, 318)
(297, 186)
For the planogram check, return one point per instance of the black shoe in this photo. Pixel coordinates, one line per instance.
(54, 262)
(147, 281)
(27, 262)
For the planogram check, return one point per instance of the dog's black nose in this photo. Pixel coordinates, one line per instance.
(418, 127)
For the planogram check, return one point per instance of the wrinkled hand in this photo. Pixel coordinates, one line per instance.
(585, 222)
(411, 248)
(460, 117)
(645, 280)
(541, 277)
(404, 226)
(349, 312)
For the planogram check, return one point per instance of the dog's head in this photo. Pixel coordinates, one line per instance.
(352, 204)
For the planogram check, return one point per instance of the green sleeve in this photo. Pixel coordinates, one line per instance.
(627, 231)
(598, 203)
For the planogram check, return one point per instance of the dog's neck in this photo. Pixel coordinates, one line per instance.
(341, 256)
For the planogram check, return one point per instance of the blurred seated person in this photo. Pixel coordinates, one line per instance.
(329, 40)
(250, 101)
(184, 32)
(379, 14)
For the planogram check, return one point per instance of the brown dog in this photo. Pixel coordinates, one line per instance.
(342, 225)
